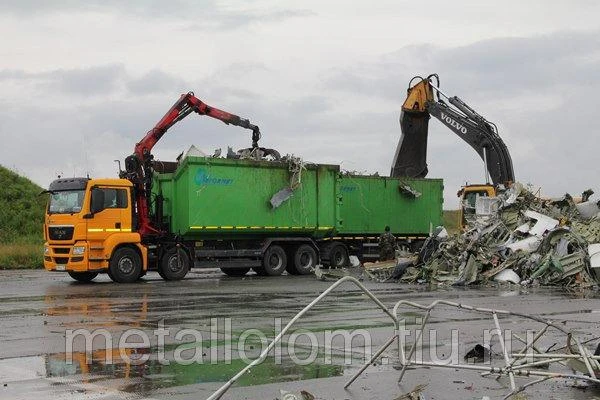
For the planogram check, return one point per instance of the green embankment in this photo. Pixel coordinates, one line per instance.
(21, 217)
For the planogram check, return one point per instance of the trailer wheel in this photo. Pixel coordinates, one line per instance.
(305, 259)
(125, 265)
(235, 271)
(83, 276)
(274, 260)
(338, 256)
(174, 265)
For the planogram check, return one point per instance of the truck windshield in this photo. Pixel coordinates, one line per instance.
(66, 202)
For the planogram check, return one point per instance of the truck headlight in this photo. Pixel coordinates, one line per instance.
(46, 250)
(78, 250)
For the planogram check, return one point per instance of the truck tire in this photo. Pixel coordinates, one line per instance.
(305, 260)
(235, 271)
(83, 276)
(174, 265)
(274, 260)
(338, 256)
(125, 265)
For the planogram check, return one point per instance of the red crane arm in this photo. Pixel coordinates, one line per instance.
(139, 165)
(181, 109)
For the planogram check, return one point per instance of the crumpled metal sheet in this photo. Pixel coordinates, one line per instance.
(281, 196)
(527, 239)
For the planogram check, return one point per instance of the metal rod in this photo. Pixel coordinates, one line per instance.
(538, 363)
(437, 89)
(552, 355)
(585, 358)
(219, 393)
(498, 370)
(485, 164)
(506, 358)
(414, 346)
(525, 386)
(377, 354)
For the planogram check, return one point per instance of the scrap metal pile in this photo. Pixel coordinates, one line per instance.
(516, 237)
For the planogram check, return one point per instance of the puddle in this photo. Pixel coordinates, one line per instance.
(152, 375)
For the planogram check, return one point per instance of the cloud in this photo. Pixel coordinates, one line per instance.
(97, 81)
(541, 91)
(500, 65)
(225, 20)
(155, 81)
(82, 81)
(208, 15)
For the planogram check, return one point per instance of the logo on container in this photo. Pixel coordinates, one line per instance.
(203, 177)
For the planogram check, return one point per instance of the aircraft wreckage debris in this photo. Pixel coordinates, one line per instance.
(516, 237)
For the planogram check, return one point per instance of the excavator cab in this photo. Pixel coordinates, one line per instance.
(468, 195)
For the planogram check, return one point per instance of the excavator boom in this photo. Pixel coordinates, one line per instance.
(421, 103)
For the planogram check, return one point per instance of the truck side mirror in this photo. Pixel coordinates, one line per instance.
(97, 201)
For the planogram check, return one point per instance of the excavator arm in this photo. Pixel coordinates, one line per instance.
(138, 166)
(424, 99)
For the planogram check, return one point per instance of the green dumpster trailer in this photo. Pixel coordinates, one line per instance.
(223, 210)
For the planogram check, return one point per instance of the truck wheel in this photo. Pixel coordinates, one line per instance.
(125, 265)
(83, 276)
(305, 259)
(174, 265)
(274, 260)
(235, 271)
(338, 256)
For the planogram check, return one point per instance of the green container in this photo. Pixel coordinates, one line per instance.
(229, 199)
(369, 203)
(224, 197)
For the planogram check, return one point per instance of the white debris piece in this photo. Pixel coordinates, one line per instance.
(486, 205)
(594, 252)
(513, 193)
(588, 209)
(507, 275)
(543, 224)
(526, 245)
(354, 261)
(193, 151)
(441, 232)
(523, 228)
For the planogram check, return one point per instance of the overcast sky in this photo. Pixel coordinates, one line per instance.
(82, 81)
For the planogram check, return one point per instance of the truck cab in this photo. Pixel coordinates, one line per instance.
(90, 228)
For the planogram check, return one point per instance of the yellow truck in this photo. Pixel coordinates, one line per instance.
(105, 225)
(234, 213)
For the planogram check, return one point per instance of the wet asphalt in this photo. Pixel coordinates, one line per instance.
(38, 310)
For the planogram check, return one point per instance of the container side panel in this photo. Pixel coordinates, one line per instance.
(370, 203)
(222, 196)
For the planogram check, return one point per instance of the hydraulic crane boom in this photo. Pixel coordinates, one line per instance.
(138, 166)
(482, 135)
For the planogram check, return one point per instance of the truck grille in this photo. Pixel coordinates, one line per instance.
(61, 232)
(61, 260)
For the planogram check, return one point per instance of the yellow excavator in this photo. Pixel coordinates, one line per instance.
(425, 99)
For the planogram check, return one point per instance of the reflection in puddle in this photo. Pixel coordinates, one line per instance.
(152, 375)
